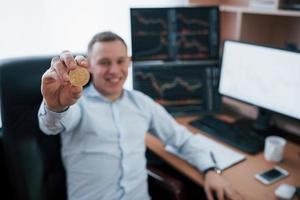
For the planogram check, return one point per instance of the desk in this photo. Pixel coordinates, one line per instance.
(241, 176)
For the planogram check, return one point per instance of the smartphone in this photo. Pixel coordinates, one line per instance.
(271, 175)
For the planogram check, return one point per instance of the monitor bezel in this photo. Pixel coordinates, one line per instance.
(177, 7)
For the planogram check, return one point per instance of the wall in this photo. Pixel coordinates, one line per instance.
(36, 27)
(40, 27)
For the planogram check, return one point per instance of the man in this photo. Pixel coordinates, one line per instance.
(103, 127)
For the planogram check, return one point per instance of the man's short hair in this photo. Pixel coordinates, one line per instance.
(106, 36)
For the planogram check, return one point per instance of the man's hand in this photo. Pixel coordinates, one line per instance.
(56, 89)
(216, 184)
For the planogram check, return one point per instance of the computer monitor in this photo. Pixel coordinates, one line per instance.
(266, 77)
(183, 89)
(179, 33)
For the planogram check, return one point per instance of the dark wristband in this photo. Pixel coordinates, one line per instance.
(215, 169)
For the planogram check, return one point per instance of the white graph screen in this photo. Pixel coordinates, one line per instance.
(265, 77)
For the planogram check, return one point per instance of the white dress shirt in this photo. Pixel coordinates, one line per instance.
(103, 143)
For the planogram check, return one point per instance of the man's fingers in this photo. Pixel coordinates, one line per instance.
(82, 61)
(68, 95)
(57, 67)
(54, 60)
(220, 194)
(60, 69)
(209, 193)
(76, 92)
(49, 76)
(67, 58)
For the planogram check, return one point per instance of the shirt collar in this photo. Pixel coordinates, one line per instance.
(92, 92)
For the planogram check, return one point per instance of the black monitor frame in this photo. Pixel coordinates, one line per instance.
(263, 122)
(185, 103)
(171, 51)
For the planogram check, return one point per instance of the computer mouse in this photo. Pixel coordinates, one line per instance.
(285, 191)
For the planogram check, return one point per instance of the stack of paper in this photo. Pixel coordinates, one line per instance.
(224, 156)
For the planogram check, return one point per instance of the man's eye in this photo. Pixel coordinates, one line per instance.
(120, 61)
(106, 63)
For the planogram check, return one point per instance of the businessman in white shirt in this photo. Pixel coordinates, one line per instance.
(103, 126)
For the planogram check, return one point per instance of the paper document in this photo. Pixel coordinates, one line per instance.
(224, 156)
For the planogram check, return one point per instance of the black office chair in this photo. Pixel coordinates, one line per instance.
(33, 159)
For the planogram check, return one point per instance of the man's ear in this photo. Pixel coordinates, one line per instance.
(129, 60)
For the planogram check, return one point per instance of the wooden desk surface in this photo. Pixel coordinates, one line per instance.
(241, 176)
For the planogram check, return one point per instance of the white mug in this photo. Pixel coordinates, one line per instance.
(274, 148)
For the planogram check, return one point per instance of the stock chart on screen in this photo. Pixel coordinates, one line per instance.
(181, 33)
(180, 88)
(150, 34)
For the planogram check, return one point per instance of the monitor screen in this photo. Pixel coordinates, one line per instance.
(181, 88)
(262, 76)
(181, 33)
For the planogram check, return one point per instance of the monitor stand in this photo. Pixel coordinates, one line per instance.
(262, 125)
(263, 120)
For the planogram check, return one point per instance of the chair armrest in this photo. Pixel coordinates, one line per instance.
(167, 182)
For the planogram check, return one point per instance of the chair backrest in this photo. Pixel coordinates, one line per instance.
(33, 159)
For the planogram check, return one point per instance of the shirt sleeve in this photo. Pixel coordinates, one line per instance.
(52, 123)
(189, 146)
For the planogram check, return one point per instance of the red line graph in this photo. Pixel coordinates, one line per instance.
(192, 56)
(144, 20)
(192, 21)
(151, 33)
(162, 88)
(183, 42)
(185, 31)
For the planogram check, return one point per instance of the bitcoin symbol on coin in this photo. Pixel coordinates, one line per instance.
(79, 76)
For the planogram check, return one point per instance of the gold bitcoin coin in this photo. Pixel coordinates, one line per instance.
(79, 76)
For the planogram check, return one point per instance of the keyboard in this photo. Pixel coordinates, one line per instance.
(244, 139)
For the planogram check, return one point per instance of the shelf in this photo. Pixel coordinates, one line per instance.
(261, 11)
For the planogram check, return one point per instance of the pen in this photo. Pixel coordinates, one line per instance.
(216, 168)
(213, 158)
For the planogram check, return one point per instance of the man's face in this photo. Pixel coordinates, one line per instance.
(108, 64)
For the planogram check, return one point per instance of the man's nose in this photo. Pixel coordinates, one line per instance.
(114, 68)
